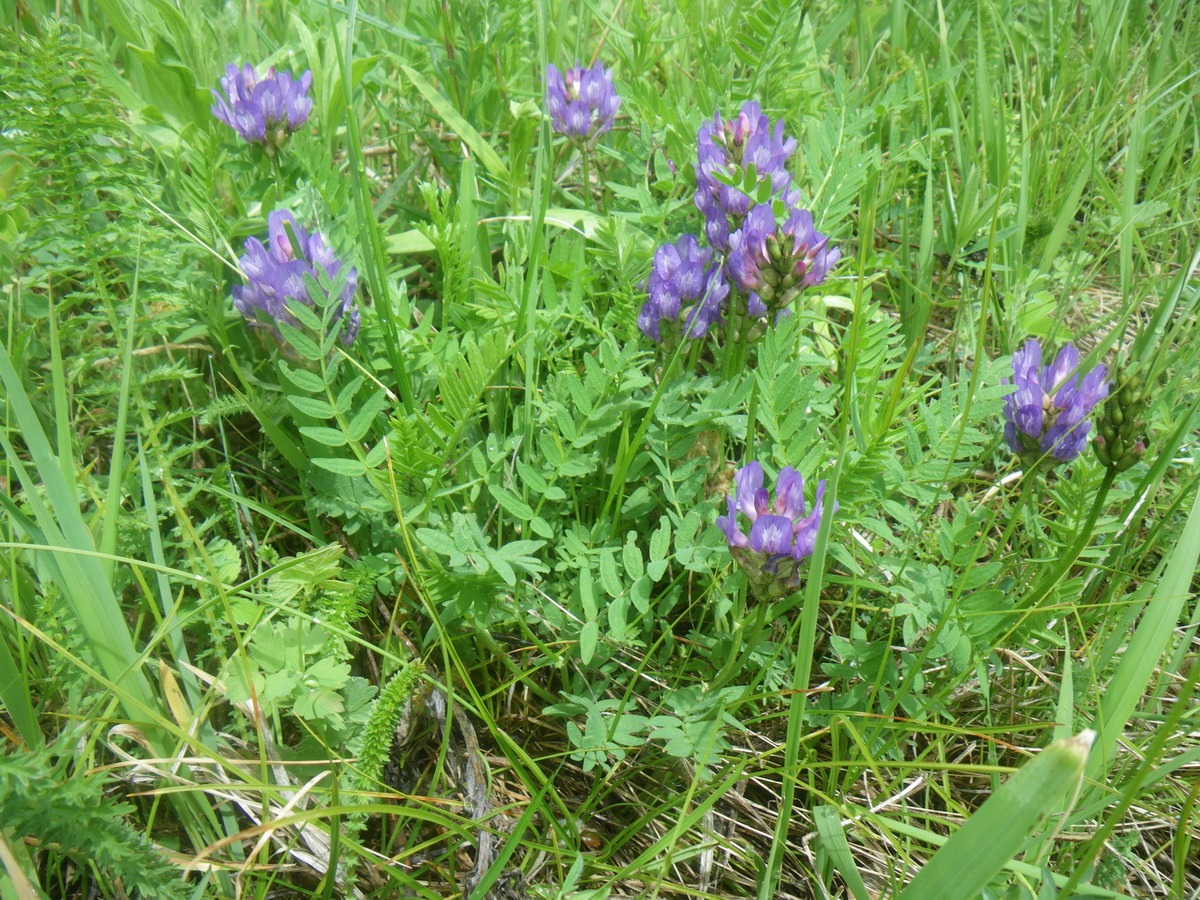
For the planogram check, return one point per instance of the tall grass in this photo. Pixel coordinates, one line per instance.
(444, 612)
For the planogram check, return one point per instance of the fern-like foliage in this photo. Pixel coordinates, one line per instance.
(77, 203)
(224, 406)
(763, 25)
(378, 735)
(73, 814)
(386, 712)
(75, 225)
(467, 368)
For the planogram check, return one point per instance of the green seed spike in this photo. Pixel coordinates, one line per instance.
(999, 830)
(1121, 439)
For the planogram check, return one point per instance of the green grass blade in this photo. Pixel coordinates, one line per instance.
(834, 843)
(116, 470)
(998, 830)
(1033, 873)
(1137, 670)
(82, 579)
(460, 126)
(14, 696)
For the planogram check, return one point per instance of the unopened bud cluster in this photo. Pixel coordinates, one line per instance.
(1122, 440)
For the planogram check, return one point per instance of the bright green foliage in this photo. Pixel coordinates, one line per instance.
(501, 479)
(381, 726)
(999, 829)
(70, 811)
(289, 670)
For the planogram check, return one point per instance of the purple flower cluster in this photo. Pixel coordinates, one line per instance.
(729, 149)
(582, 102)
(263, 111)
(1047, 412)
(765, 259)
(276, 272)
(684, 280)
(781, 535)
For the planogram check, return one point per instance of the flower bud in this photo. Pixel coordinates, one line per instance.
(1130, 457)
(1123, 424)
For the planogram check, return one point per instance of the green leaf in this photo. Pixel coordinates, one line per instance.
(531, 477)
(511, 502)
(472, 138)
(631, 556)
(1140, 661)
(500, 566)
(377, 454)
(311, 406)
(300, 342)
(660, 540)
(302, 378)
(304, 313)
(640, 594)
(587, 593)
(1000, 829)
(411, 241)
(330, 372)
(319, 704)
(365, 417)
(328, 673)
(833, 842)
(588, 636)
(437, 541)
(349, 467)
(345, 397)
(617, 611)
(609, 579)
(519, 548)
(330, 437)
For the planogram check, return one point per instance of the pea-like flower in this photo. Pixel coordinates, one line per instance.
(582, 102)
(685, 285)
(276, 272)
(770, 261)
(725, 152)
(781, 535)
(263, 111)
(1047, 413)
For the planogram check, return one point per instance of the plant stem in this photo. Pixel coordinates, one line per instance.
(277, 169)
(587, 175)
(1084, 538)
(1027, 481)
(625, 459)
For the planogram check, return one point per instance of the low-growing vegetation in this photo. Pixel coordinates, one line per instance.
(626, 449)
